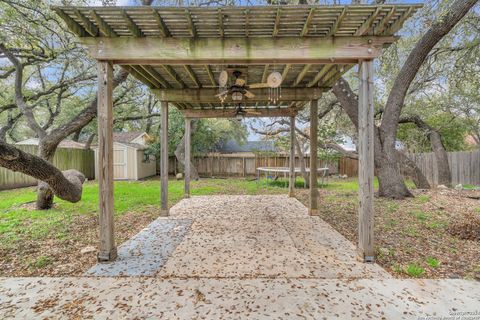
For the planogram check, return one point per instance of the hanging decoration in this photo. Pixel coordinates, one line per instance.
(274, 82)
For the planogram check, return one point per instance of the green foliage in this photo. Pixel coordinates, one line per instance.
(41, 262)
(432, 262)
(452, 131)
(207, 134)
(414, 270)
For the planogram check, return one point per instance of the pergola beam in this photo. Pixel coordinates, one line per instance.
(194, 51)
(231, 113)
(207, 95)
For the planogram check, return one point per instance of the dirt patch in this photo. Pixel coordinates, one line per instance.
(55, 256)
(411, 236)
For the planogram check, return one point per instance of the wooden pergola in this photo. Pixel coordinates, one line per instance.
(179, 53)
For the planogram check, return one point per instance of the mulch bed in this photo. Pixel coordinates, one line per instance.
(64, 256)
(418, 232)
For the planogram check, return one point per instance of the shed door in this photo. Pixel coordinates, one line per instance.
(120, 164)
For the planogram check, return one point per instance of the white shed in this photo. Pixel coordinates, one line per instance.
(129, 159)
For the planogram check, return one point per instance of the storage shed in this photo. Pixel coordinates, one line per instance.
(129, 159)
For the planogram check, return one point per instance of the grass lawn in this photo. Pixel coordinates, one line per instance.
(412, 238)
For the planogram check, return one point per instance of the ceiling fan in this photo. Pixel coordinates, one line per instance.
(239, 88)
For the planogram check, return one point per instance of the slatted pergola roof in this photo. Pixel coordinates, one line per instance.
(283, 27)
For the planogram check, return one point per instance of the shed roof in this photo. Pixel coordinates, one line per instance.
(182, 30)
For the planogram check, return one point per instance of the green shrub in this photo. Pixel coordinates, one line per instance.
(432, 262)
(414, 271)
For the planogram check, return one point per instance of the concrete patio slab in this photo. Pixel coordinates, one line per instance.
(259, 237)
(205, 298)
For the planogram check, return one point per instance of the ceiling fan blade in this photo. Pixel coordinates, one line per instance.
(258, 85)
(221, 94)
(249, 94)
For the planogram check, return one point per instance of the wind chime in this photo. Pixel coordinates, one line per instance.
(223, 86)
(274, 82)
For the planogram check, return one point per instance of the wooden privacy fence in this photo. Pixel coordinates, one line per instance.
(465, 166)
(79, 159)
(226, 165)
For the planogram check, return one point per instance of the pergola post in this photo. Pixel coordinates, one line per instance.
(365, 163)
(108, 251)
(313, 203)
(188, 130)
(291, 183)
(164, 158)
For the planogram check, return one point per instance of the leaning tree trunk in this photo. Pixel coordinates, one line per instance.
(180, 154)
(303, 170)
(441, 155)
(66, 185)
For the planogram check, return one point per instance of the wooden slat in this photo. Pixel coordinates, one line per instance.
(72, 24)
(368, 23)
(285, 71)
(89, 26)
(277, 23)
(134, 72)
(210, 75)
(102, 25)
(399, 22)
(134, 29)
(174, 75)
(156, 76)
(220, 23)
(301, 75)
(319, 75)
(337, 23)
(384, 22)
(162, 27)
(265, 73)
(190, 25)
(108, 250)
(192, 75)
(306, 25)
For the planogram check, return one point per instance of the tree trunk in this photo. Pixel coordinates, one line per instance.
(301, 158)
(391, 181)
(46, 151)
(66, 185)
(441, 155)
(180, 154)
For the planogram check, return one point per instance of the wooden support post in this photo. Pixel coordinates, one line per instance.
(164, 159)
(365, 163)
(313, 204)
(187, 156)
(291, 183)
(108, 251)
